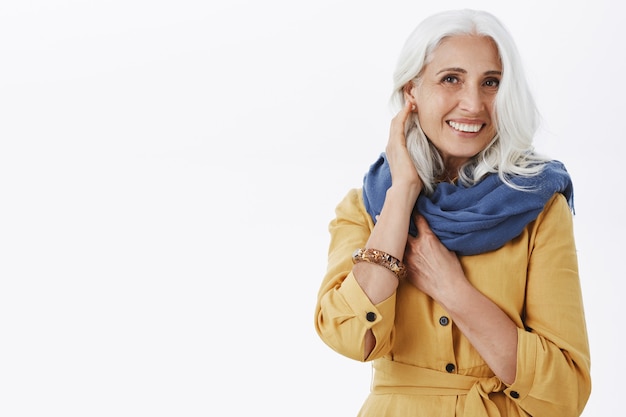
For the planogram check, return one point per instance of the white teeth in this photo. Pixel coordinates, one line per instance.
(464, 127)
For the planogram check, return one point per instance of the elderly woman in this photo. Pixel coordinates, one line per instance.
(453, 269)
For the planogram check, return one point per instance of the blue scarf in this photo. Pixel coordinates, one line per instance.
(480, 218)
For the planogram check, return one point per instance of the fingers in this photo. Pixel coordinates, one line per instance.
(399, 121)
(397, 138)
(422, 225)
(409, 106)
(403, 171)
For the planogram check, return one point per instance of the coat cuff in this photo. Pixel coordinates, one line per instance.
(526, 365)
(366, 312)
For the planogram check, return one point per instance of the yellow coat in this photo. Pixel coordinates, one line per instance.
(424, 366)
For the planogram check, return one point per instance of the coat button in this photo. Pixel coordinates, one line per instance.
(443, 320)
(371, 316)
(514, 394)
(450, 368)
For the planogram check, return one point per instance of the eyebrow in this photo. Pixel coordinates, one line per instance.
(462, 71)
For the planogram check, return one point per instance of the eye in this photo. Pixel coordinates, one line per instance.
(492, 83)
(450, 79)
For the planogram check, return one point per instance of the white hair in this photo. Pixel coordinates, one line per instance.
(511, 151)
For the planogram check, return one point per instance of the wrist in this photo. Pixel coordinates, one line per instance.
(453, 297)
(408, 191)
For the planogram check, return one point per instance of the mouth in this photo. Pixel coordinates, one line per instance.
(465, 127)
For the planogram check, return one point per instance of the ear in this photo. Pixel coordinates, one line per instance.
(407, 91)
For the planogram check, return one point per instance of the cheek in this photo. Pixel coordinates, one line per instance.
(430, 125)
(435, 104)
(429, 114)
(491, 108)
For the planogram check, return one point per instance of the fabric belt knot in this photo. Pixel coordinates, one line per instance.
(398, 378)
(478, 402)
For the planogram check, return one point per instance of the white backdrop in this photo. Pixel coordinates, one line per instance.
(168, 170)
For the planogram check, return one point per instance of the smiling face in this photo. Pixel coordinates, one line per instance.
(455, 97)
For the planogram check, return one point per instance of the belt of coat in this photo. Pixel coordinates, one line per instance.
(398, 378)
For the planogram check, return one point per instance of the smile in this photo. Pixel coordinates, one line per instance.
(465, 127)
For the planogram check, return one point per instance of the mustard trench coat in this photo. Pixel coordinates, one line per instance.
(424, 366)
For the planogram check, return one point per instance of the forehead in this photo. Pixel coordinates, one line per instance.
(467, 52)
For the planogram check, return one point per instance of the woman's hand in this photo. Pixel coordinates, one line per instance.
(403, 170)
(436, 271)
(431, 267)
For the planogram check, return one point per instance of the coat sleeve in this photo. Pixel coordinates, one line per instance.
(343, 312)
(553, 360)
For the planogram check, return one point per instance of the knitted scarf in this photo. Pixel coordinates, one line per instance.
(480, 218)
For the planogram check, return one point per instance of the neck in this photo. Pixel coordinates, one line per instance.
(450, 174)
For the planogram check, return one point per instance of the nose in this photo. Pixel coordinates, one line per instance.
(472, 99)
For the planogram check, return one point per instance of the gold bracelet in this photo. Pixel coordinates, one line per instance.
(381, 258)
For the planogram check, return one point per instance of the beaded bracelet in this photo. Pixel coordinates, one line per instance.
(381, 258)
